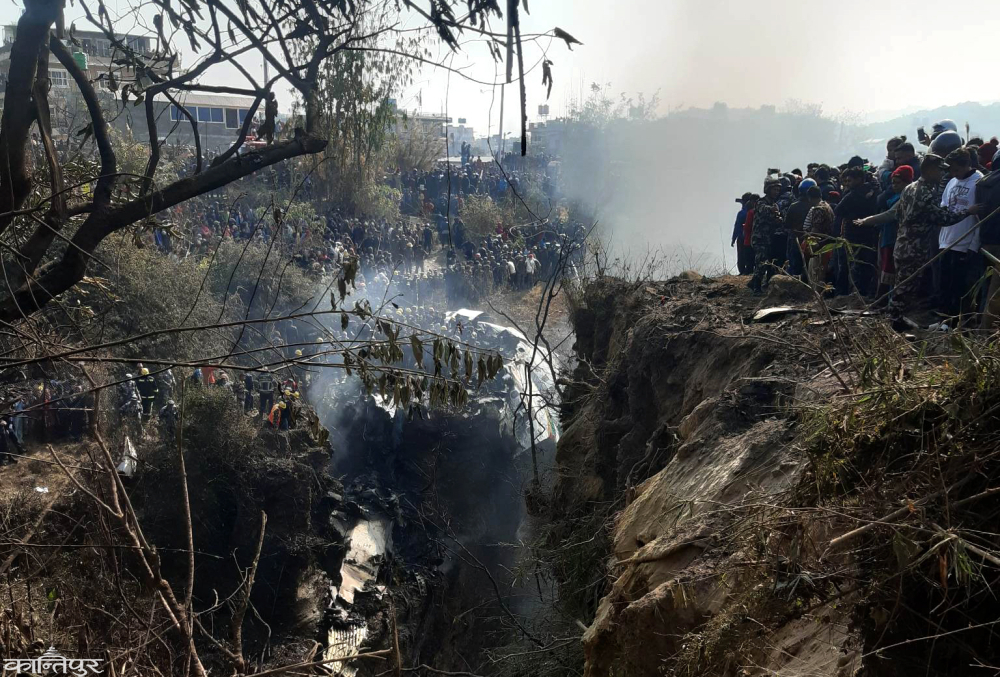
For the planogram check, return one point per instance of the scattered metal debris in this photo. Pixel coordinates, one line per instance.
(771, 314)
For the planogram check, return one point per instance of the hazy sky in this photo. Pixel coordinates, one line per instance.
(862, 57)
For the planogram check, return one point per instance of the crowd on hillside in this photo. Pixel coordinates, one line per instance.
(45, 411)
(877, 229)
(426, 193)
(411, 269)
(403, 249)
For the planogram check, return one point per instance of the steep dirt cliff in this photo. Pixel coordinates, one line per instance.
(685, 432)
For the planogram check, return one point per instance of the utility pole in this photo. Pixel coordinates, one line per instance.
(501, 144)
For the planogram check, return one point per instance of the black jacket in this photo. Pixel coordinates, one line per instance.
(266, 384)
(857, 204)
(988, 195)
(8, 441)
(795, 217)
(147, 386)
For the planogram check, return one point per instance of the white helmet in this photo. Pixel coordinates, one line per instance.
(944, 126)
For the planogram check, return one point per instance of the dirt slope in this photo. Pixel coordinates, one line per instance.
(686, 432)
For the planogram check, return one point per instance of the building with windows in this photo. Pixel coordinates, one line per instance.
(219, 117)
(94, 53)
(548, 137)
(421, 129)
(459, 134)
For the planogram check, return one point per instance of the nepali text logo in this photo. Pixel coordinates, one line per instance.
(53, 661)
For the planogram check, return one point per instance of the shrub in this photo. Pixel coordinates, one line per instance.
(379, 202)
(481, 216)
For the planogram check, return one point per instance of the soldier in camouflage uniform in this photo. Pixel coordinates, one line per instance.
(767, 222)
(920, 216)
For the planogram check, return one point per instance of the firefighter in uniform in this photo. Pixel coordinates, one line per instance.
(265, 392)
(148, 391)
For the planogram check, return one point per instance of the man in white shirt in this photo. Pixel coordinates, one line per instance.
(960, 265)
(531, 267)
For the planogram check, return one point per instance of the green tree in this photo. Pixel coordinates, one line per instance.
(51, 234)
(354, 90)
(601, 108)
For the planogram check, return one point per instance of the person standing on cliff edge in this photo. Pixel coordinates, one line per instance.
(744, 254)
(919, 214)
(767, 223)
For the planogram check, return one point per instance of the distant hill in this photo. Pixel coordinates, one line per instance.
(671, 182)
(983, 119)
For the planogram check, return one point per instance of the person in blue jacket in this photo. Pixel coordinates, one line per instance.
(744, 263)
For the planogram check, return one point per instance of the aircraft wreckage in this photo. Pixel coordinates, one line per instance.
(371, 439)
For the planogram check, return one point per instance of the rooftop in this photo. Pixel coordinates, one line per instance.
(201, 99)
(93, 43)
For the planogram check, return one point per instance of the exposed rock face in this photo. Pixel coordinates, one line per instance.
(284, 475)
(687, 432)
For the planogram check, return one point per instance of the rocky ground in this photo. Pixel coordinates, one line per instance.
(691, 439)
(716, 449)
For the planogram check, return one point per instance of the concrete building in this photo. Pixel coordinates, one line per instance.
(94, 54)
(510, 144)
(459, 134)
(429, 124)
(420, 137)
(220, 117)
(548, 137)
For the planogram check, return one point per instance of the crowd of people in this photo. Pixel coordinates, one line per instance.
(53, 410)
(914, 232)
(146, 399)
(442, 190)
(411, 268)
(404, 250)
(46, 411)
(539, 251)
